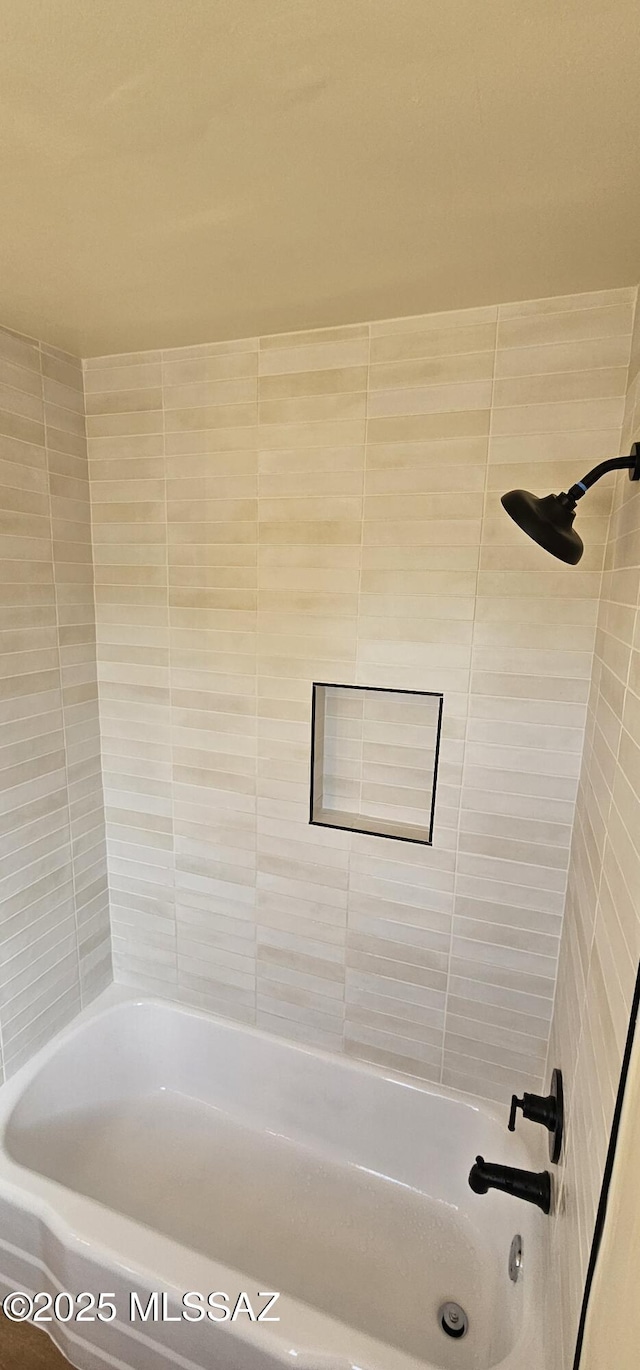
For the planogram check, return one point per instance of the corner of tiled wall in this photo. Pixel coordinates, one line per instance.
(601, 938)
(54, 947)
(68, 473)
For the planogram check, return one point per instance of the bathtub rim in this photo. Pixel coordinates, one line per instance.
(117, 996)
(84, 1225)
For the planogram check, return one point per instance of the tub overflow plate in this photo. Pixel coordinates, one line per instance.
(515, 1259)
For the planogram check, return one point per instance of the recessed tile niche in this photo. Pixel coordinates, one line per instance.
(374, 760)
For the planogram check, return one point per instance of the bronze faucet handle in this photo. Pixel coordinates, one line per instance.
(516, 1103)
(545, 1109)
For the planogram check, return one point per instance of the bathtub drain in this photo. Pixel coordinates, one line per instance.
(453, 1319)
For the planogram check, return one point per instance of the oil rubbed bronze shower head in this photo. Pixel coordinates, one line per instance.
(548, 519)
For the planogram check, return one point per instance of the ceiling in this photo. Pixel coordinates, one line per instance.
(175, 171)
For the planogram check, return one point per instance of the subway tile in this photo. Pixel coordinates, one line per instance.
(208, 366)
(377, 562)
(559, 417)
(587, 384)
(545, 325)
(429, 427)
(465, 367)
(318, 355)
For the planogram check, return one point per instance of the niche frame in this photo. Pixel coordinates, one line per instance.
(345, 820)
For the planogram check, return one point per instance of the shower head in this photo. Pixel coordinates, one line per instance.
(548, 519)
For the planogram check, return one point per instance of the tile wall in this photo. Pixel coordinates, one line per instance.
(601, 940)
(325, 506)
(54, 915)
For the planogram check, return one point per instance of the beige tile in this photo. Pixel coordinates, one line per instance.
(210, 466)
(223, 416)
(585, 384)
(432, 371)
(129, 424)
(319, 354)
(428, 427)
(212, 626)
(221, 392)
(205, 350)
(453, 506)
(433, 532)
(137, 376)
(550, 358)
(19, 350)
(200, 370)
(322, 460)
(124, 401)
(572, 325)
(325, 531)
(424, 477)
(309, 408)
(431, 399)
(560, 304)
(557, 417)
(291, 385)
(120, 359)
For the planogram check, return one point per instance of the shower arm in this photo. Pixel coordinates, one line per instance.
(630, 464)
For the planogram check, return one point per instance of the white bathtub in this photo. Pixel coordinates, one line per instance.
(153, 1148)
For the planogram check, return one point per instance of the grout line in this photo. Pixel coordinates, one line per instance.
(356, 671)
(172, 863)
(60, 672)
(100, 737)
(468, 699)
(258, 715)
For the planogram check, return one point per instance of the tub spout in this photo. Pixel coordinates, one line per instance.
(523, 1184)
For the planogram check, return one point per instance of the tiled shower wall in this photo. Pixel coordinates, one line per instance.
(54, 914)
(601, 941)
(325, 505)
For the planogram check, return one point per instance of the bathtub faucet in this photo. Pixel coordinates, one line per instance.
(523, 1184)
